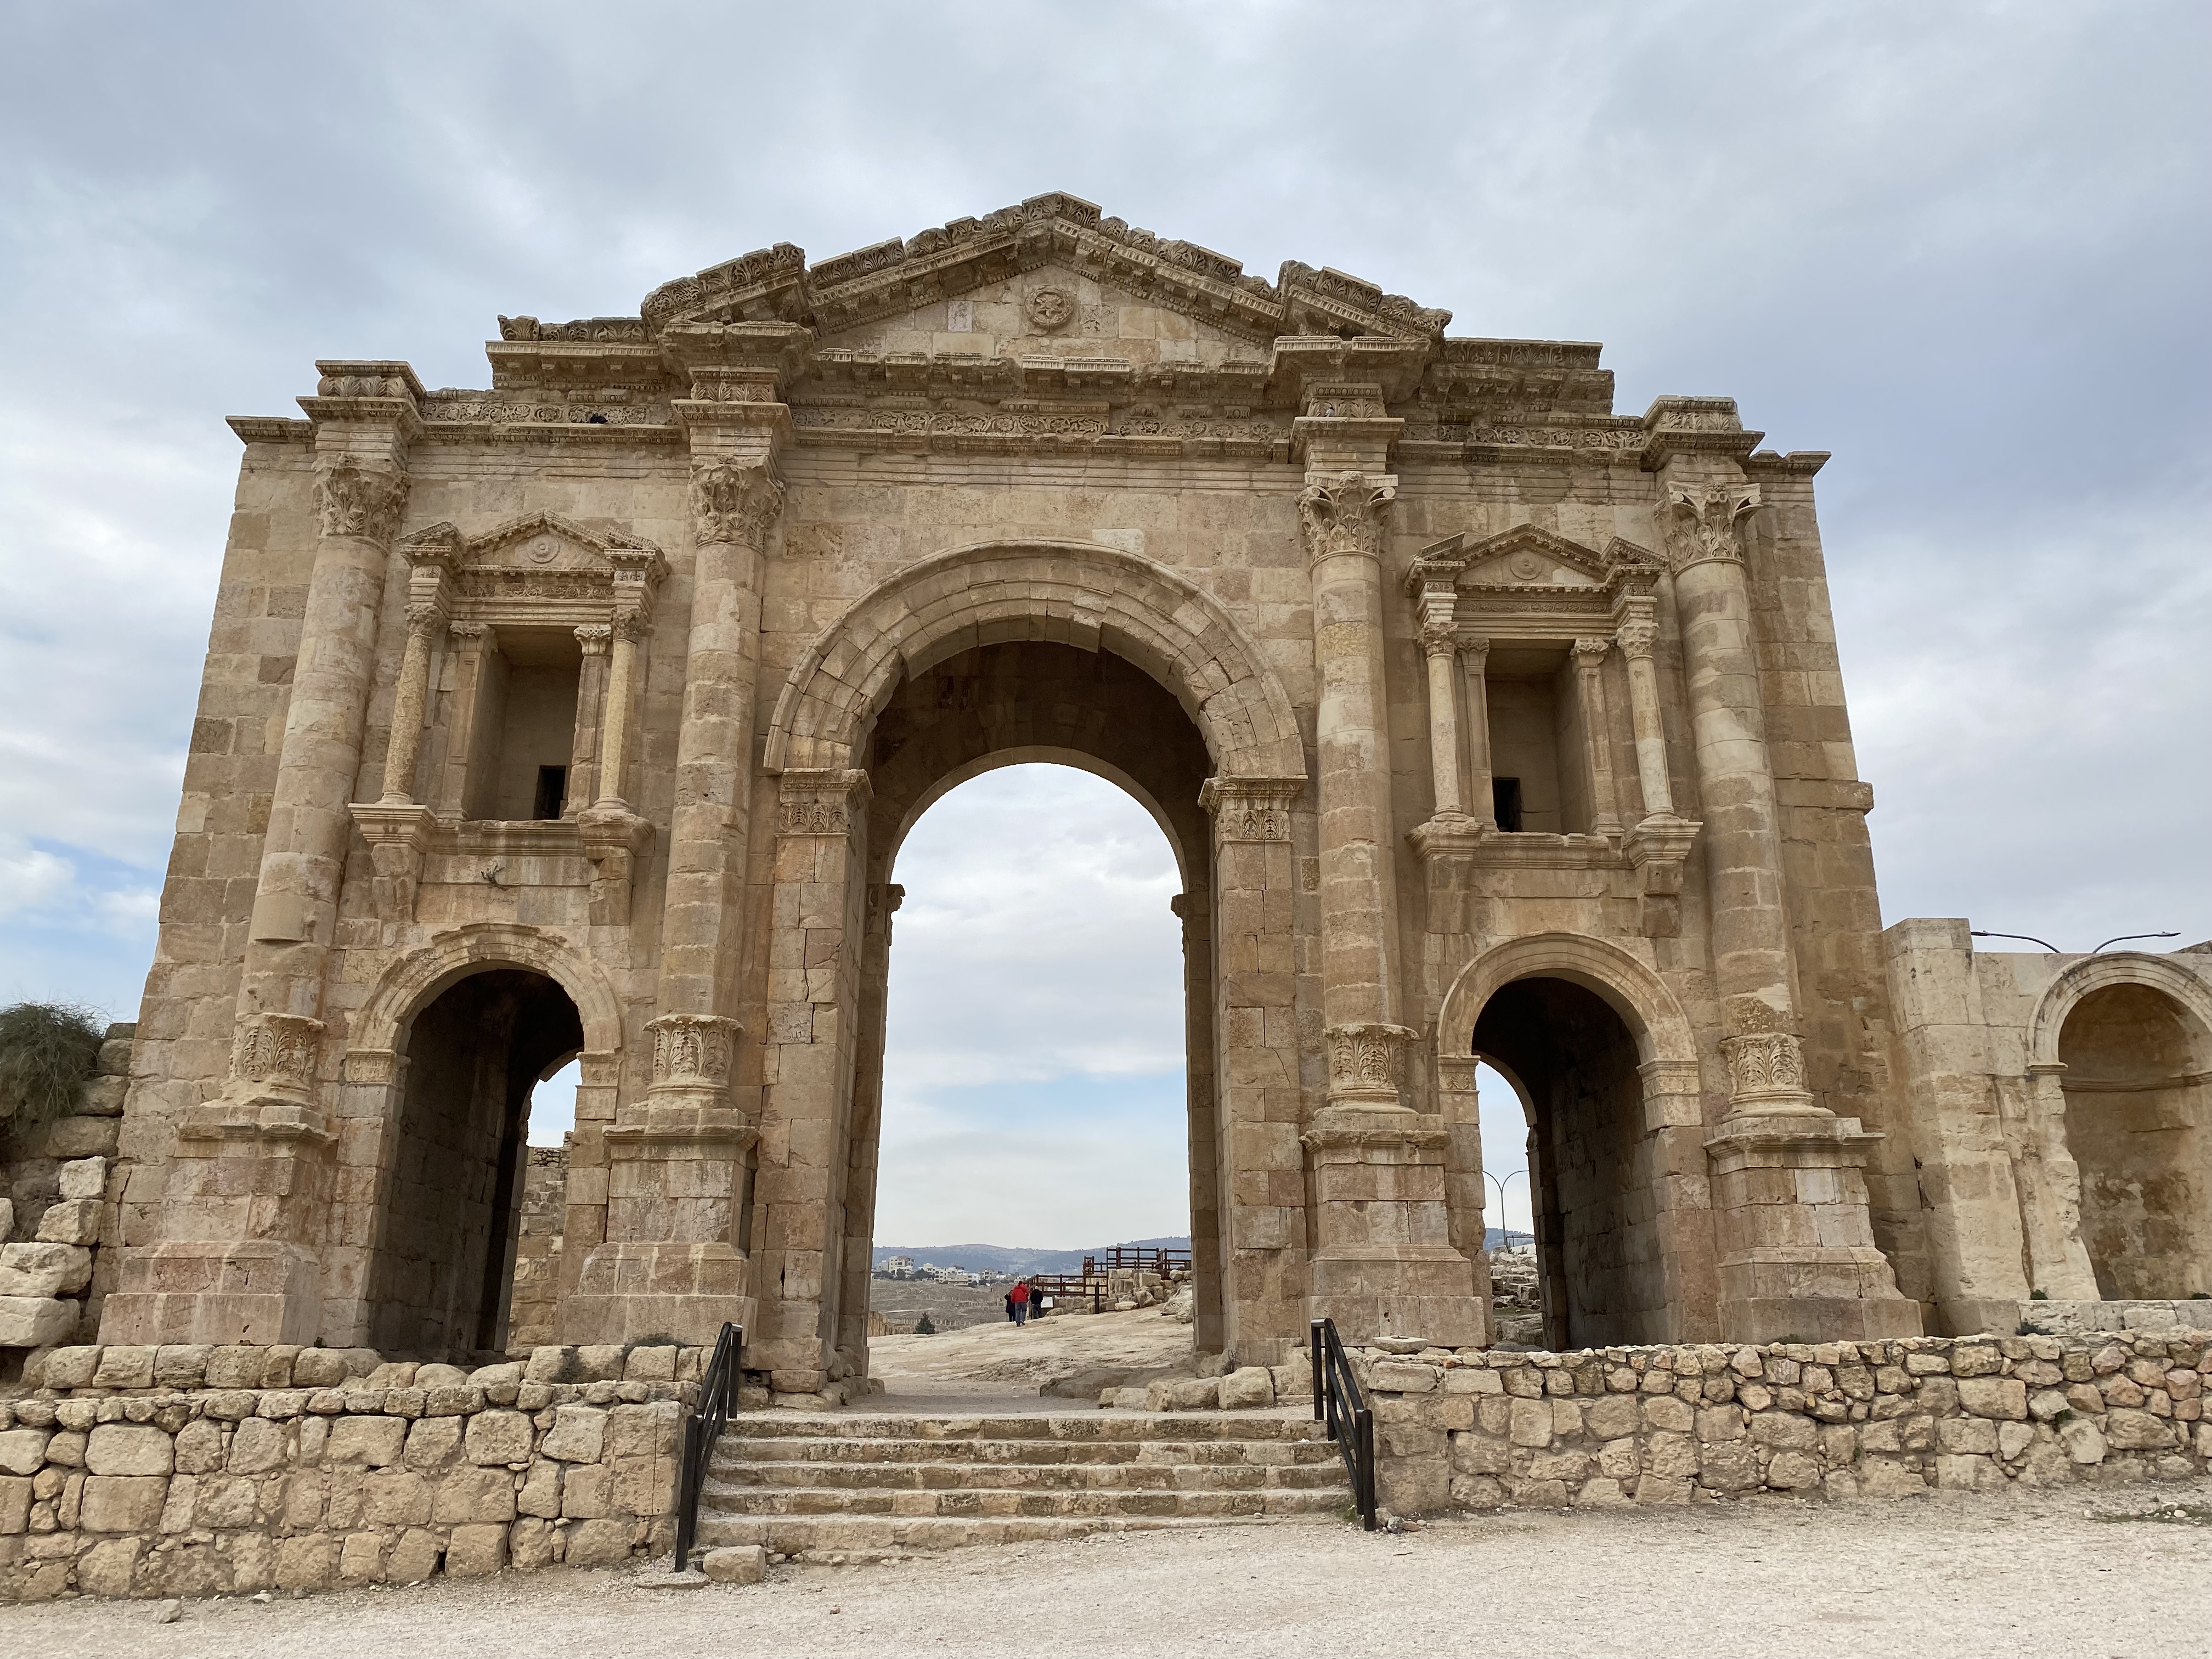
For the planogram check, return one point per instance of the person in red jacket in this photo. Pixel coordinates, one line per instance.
(1019, 1296)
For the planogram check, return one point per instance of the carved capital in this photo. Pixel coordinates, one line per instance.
(467, 630)
(1475, 654)
(1367, 1063)
(1766, 1073)
(1439, 621)
(1703, 522)
(1637, 640)
(820, 801)
(423, 617)
(693, 1053)
(631, 623)
(735, 501)
(1250, 809)
(277, 1054)
(593, 638)
(353, 499)
(1345, 512)
(1589, 655)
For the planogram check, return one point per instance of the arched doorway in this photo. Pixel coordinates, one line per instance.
(1574, 1064)
(998, 705)
(441, 1267)
(2138, 1086)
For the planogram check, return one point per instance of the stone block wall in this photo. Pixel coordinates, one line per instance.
(1475, 1430)
(187, 1471)
(533, 1311)
(58, 1188)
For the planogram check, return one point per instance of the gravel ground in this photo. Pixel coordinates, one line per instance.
(2015, 1575)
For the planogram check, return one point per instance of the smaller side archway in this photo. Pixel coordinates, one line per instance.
(435, 1086)
(1604, 1063)
(2128, 1040)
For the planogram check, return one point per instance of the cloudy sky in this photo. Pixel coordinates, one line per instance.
(1963, 246)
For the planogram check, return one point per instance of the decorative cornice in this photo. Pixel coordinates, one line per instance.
(820, 801)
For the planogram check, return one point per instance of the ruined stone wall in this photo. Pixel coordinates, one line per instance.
(1472, 1429)
(189, 1471)
(59, 1188)
(534, 1303)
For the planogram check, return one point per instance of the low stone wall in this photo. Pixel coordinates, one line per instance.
(1480, 1430)
(2090, 1318)
(190, 1471)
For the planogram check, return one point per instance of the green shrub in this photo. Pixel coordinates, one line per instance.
(47, 1049)
(923, 1327)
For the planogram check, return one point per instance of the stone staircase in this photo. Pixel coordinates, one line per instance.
(860, 1485)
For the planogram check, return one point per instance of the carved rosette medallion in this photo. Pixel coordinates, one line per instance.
(693, 1051)
(1344, 513)
(278, 1053)
(735, 501)
(1048, 309)
(353, 499)
(820, 802)
(1367, 1063)
(1250, 809)
(1705, 523)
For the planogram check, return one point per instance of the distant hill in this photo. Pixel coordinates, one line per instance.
(1003, 1259)
(1504, 1238)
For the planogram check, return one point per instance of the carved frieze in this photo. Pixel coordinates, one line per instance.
(735, 500)
(352, 499)
(820, 801)
(1251, 809)
(1345, 512)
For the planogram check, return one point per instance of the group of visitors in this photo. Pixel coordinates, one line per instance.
(1023, 1300)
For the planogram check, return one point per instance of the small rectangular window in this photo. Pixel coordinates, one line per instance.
(1505, 804)
(552, 791)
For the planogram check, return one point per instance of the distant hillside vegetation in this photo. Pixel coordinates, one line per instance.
(1002, 1259)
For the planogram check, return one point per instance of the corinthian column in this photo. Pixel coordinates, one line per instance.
(1597, 734)
(1797, 1252)
(250, 1177)
(1637, 640)
(1343, 514)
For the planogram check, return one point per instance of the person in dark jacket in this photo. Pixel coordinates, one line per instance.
(1009, 1309)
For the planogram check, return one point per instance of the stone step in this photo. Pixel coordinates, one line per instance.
(840, 1539)
(1099, 1427)
(948, 1476)
(731, 1452)
(758, 1501)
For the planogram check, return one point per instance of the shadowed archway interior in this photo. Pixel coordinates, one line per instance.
(442, 1268)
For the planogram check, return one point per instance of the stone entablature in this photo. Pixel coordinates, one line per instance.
(626, 675)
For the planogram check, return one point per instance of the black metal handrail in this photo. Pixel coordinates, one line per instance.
(718, 1398)
(1339, 1404)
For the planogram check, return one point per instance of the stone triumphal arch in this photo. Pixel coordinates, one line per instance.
(588, 712)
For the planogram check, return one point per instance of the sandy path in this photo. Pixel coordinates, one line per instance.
(2021, 1576)
(999, 1367)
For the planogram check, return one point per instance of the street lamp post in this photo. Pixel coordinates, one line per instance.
(1501, 1184)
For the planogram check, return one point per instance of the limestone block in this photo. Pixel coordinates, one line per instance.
(234, 1368)
(1531, 1424)
(587, 1493)
(2136, 1430)
(130, 1449)
(107, 1568)
(318, 1368)
(541, 1490)
(30, 1322)
(23, 1451)
(599, 1362)
(492, 1376)
(643, 1430)
(310, 1562)
(1791, 1471)
(738, 1564)
(33, 1269)
(83, 1177)
(360, 1557)
(578, 1436)
(655, 1363)
(395, 1497)
(69, 1368)
(1786, 1429)
(226, 1502)
(1466, 1379)
(72, 1221)
(2013, 1439)
(439, 1376)
(65, 1450)
(414, 1558)
(475, 1552)
(123, 1503)
(1613, 1417)
(84, 1135)
(1995, 1397)
(499, 1436)
(15, 1497)
(181, 1366)
(1966, 1436)
(1185, 1394)
(373, 1441)
(432, 1443)
(1730, 1466)
(1967, 1473)
(125, 1368)
(598, 1543)
(471, 1495)
(1665, 1413)
(258, 1446)
(1251, 1387)
(7, 1219)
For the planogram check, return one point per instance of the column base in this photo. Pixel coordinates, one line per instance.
(1404, 1291)
(1798, 1257)
(627, 1291)
(256, 1292)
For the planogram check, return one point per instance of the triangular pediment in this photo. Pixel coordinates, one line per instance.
(1528, 556)
(536, 541)
(977, 258)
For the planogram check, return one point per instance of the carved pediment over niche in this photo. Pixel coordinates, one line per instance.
(1527, 555)
(904, 276)
(541, 559)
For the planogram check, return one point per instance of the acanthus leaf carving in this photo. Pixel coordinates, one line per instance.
(1703, 522)
(277, 1051)
(1250, 809)
(1344, 513)
(1367, 1062)
(355, 500)
(735, 501)
(819, 801)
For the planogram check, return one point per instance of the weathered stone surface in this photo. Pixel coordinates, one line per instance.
(578, 1435)
(35, 1322)
(738, 1564)
(1246, 1387)
(130, 1449)
(499, 1436)
(34, 1269)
